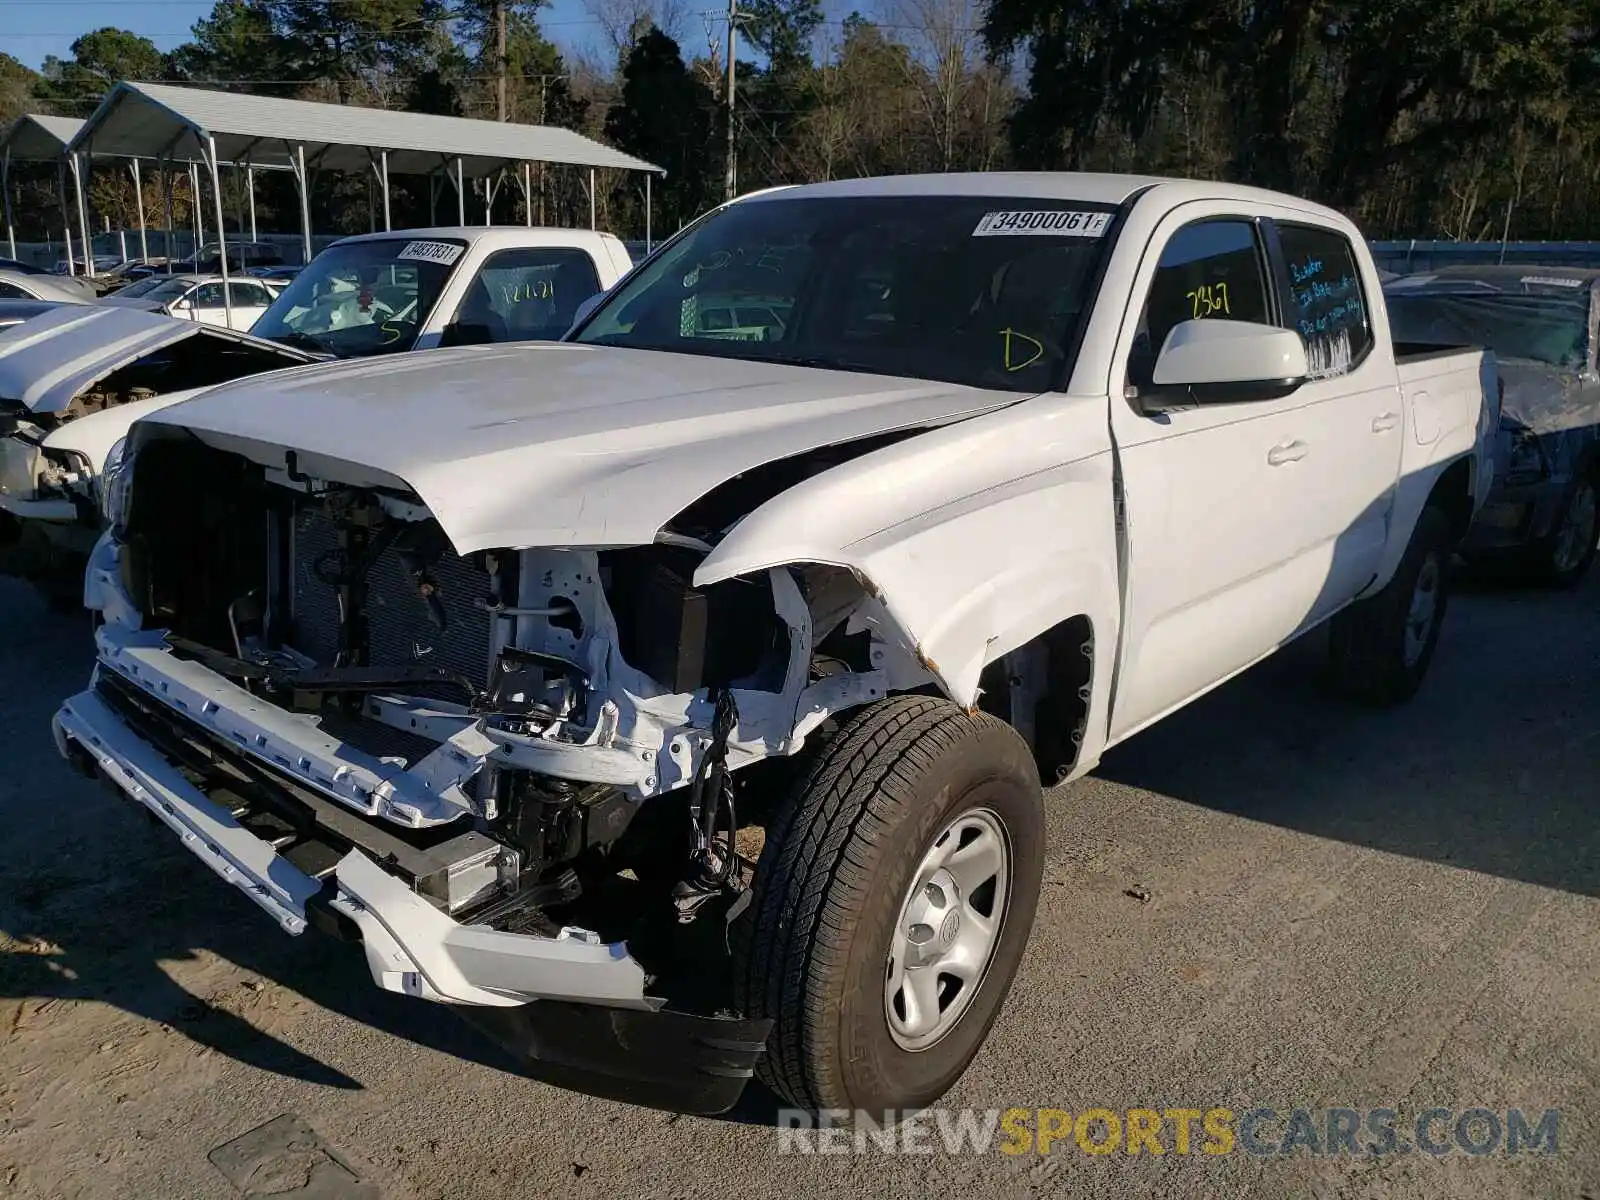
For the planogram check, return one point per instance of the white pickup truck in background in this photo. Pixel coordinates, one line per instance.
(74, 380)
(849, 514)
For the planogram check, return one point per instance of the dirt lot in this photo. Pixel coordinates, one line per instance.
(1328, 908)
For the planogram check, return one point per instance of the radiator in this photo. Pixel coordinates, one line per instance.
(399, 630)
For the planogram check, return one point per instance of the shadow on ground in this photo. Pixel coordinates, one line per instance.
(1494, 767)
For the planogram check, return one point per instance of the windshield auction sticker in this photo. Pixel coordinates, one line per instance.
(1048, 222)
(443, 253)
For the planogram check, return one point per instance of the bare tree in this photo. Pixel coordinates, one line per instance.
(942, 36)
(624, 21)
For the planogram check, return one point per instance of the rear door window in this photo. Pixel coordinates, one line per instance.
(1328, 305)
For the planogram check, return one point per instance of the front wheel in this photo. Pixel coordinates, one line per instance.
(1379, 648)
(892, 904)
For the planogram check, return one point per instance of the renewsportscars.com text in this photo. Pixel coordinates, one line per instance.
(1212, 1132)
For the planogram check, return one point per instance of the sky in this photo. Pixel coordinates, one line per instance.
(30, 30)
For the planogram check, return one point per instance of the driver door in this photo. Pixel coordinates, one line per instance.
(1208, 490)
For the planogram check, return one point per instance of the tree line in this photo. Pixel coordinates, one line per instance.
(1470, 119)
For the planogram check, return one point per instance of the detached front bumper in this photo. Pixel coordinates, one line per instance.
(572, 1009)
(412, 947)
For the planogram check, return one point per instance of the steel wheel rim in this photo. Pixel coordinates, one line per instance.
(1579, 525)
(1424, 609)
(947, 930)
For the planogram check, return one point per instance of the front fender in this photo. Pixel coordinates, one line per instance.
(976, 537)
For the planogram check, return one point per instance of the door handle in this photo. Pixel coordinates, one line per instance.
(1287, 452)
(1384, 422)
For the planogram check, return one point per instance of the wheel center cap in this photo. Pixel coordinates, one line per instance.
(948, 931)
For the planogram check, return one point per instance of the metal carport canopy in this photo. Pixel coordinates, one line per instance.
(150, 120)
(36, 138)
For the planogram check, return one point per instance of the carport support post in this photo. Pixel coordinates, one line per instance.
(66, 214)
(5, 189)
(383, 180)
(83, 214)
(647, 212)
(461, 193)
(222, 236)
(138, 201)
(166, 191)
(238, 209)
(527, 195)
(591, 198)
(305, 198)
(250, 195)
(199, 218)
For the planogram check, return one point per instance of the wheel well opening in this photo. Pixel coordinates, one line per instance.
(1452, 495)
(1043, 689)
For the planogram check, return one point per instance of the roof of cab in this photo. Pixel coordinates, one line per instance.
(495, 235)
(1085, 187)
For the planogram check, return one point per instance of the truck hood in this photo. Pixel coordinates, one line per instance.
(556, 444)
(46, 361)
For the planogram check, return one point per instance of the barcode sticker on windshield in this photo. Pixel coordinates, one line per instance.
(1048, 222)
(1553, 281)
(443, 253)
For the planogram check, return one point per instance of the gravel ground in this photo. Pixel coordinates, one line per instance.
(1267, 900)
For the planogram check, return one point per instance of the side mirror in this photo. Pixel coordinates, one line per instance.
(585, 309)
(1218, 361)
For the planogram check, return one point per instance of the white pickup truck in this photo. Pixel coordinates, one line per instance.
(74, 380)
(846, 517)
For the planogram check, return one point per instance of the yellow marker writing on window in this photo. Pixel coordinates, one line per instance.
(1208, 299)
(1014, 352)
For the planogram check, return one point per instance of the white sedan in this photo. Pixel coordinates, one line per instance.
(197, 298)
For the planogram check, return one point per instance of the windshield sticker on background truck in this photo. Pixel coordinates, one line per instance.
(442, 253)
(1043, 223)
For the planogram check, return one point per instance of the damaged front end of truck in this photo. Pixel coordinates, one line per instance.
(526, 781)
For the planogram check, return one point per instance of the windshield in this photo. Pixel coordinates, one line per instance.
(362, 297)
(141, 288)
(158, 287)
(969, 290)
(1542, 328)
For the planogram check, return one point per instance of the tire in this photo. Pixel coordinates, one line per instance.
(1376, 654)
(1563, 557)
(833, 896)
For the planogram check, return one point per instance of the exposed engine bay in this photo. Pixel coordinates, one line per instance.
(582, 721)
